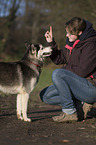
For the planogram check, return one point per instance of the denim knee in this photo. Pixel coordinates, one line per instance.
(55, 74)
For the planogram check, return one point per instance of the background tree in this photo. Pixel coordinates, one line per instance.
(7, 23)
(22, 20)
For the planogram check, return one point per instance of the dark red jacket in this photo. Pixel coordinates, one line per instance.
(79, 57)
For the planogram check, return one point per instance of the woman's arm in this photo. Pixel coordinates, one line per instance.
(58, 56)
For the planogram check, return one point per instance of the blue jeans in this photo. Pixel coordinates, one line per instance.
(67, 89)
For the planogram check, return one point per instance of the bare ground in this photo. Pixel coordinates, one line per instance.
(42, 130)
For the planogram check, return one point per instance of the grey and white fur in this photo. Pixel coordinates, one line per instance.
(21, 77)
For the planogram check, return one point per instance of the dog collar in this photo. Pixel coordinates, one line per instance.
(36, 64)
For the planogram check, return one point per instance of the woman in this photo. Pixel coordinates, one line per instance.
(76, 81)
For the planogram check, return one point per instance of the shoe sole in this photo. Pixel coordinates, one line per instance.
(65, 120)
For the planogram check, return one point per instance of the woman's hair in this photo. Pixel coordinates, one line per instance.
(75, 25)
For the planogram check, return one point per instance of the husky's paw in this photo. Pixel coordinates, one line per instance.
(27, 120)
(19, 117)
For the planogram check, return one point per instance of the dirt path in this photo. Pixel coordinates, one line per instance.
(42, 130)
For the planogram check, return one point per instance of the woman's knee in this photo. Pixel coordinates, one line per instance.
(58, 73)
(55, 74)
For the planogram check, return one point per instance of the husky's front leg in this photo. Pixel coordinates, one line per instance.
(19, 106)
(25, 98)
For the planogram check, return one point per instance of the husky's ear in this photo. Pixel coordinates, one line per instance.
(32, 46)
(27, 44)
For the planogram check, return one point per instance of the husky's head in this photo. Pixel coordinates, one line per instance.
(38, 51)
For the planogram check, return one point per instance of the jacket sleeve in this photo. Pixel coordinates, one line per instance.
(87, 63)
(58, 56)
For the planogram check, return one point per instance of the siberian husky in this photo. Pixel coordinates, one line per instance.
(21, 77)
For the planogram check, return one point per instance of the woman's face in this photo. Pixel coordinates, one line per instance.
(71, 37)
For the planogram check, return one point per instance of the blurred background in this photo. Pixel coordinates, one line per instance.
(22, 20)
(28, 20)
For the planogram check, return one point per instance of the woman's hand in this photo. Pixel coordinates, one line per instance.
(48, 35)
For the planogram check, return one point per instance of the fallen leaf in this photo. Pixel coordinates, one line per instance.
(81, 128)
(65, 141)
(93, 126)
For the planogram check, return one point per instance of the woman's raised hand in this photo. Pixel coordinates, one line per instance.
(48, 35)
